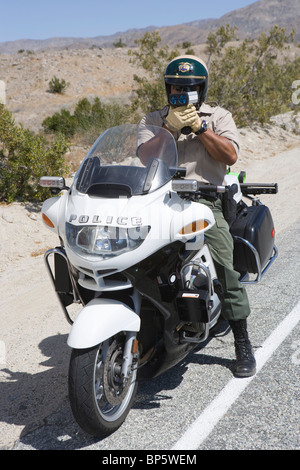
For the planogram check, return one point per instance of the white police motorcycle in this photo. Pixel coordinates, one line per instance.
(132, 254)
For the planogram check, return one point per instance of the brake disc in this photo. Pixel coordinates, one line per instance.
(115, 386)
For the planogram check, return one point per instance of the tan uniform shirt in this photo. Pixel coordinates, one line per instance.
(191, 152)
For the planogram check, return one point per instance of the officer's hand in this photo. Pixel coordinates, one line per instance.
(177, 118)
(192, 118)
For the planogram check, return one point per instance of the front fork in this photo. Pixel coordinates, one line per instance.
(130, 353)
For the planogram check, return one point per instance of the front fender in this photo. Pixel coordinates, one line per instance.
(99, 320)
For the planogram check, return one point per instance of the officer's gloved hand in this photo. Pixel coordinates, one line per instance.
(192, 118)
(176, 119)
(183, 116)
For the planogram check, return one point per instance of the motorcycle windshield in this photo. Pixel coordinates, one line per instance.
(128, 160)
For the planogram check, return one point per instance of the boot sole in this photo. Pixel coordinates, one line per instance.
(244, 374)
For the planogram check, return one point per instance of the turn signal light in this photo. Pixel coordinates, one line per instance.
(194, 227)
(47, 221)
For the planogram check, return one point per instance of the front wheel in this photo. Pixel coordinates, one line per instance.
(100, 397)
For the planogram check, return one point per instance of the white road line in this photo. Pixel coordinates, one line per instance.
(204, 424)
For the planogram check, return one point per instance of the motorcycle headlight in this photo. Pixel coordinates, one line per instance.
(104, 241)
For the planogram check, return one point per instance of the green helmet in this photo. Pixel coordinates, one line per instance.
(187, 71)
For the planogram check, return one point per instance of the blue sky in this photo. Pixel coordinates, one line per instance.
(40, 19)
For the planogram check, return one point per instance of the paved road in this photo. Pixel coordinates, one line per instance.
(265, 415)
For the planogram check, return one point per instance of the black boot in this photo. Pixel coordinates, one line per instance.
(245, 361)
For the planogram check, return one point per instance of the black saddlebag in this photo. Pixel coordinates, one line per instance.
(254, 235)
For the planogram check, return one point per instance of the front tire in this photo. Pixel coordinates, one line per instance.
(99, 398)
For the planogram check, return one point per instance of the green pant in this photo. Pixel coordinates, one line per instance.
(220, 242)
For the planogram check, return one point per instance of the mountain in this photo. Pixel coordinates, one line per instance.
(250, 20)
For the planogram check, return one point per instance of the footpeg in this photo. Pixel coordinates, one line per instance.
(192, 339)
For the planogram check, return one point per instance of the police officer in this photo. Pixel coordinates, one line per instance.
(207, 142)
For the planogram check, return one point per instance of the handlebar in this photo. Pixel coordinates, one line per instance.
(259, 188)
(193, 186)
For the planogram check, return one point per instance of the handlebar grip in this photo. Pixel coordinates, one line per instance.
(210, 188)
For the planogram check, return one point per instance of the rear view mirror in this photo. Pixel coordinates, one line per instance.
(54, 183)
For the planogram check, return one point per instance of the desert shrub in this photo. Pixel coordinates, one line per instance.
(62, 122)
(249, 79)
(119, 43)
(88, 120)
(57, 85)
(24, 158)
